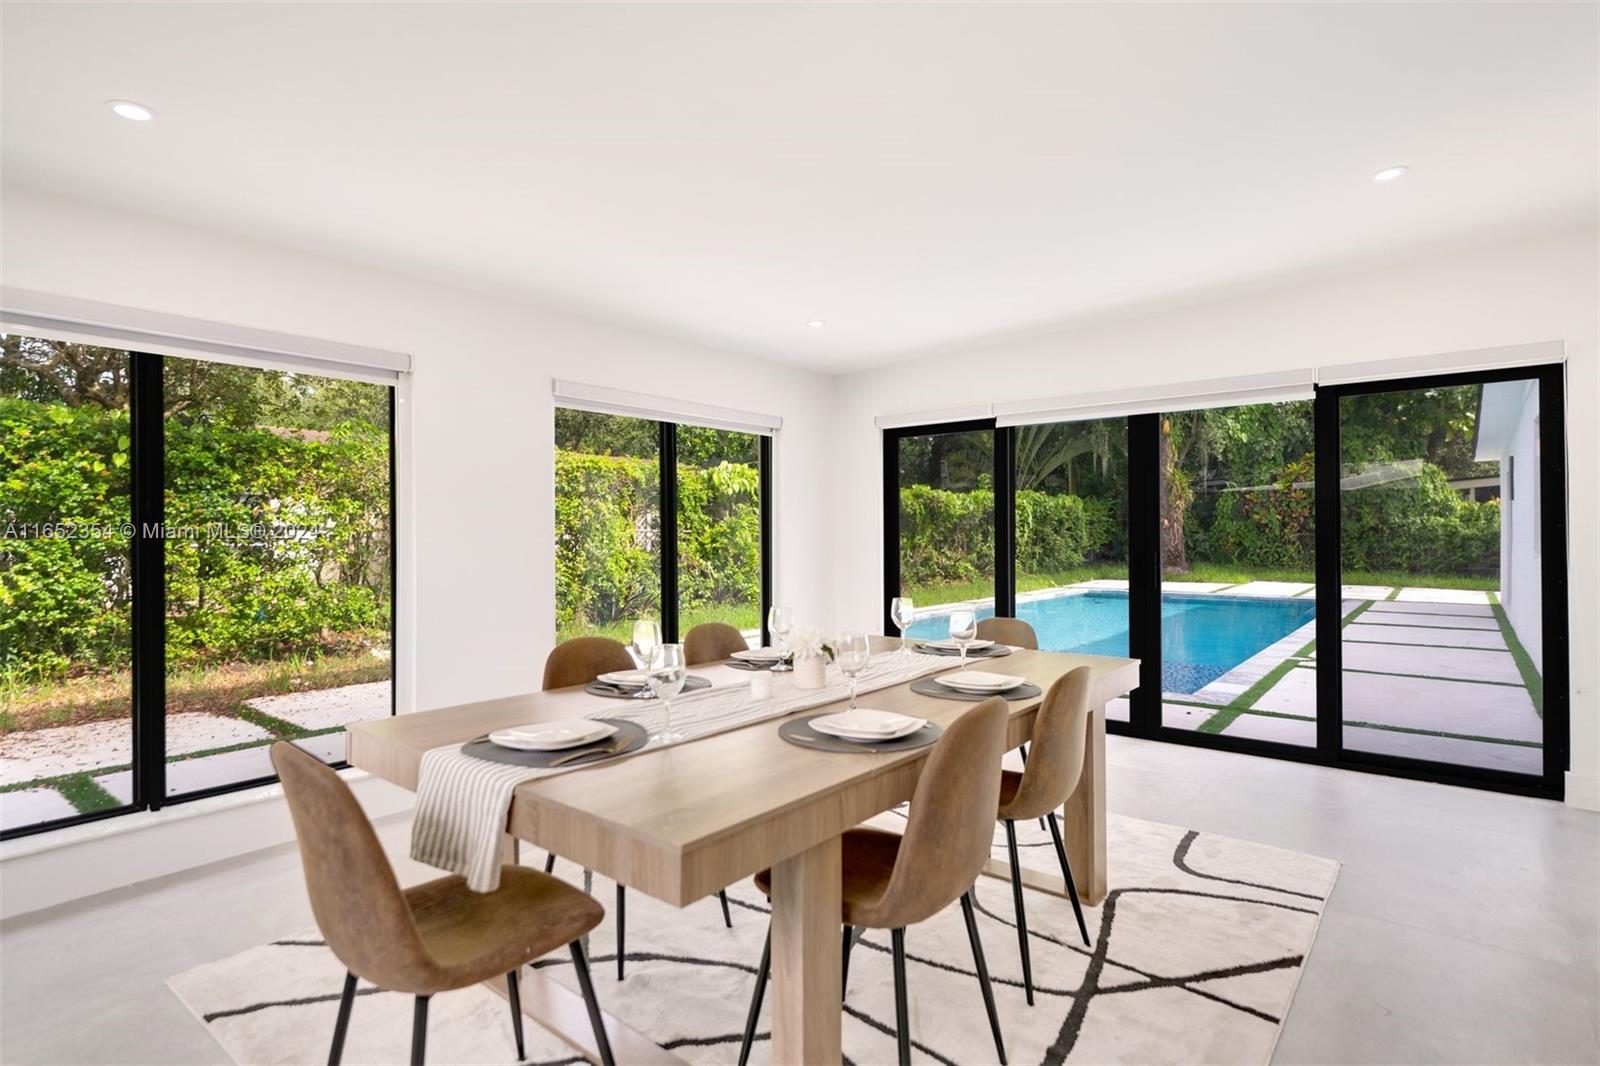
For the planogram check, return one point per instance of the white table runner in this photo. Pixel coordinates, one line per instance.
(463, 802)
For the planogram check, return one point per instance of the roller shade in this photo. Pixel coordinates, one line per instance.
(604, 400)
(113, 326)
(1276, 387)
(1445, 363)
(930, 418)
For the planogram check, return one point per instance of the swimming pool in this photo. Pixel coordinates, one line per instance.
(1202, 637)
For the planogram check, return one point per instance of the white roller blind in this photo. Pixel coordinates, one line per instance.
(1444, 363)
(931, 418)
(1276, 387)
(113, 326)
(581, 397)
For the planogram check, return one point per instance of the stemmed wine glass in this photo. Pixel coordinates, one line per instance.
(646, 639)
(963, 628)
(902, 612)
(851, 653)
(780, 620)
(667, 675)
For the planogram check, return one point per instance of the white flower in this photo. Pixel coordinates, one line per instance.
(806, 642)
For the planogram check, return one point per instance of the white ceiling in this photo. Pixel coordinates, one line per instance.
(916, 175)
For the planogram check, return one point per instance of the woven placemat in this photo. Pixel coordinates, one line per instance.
(993, 651)
(927, 686)
(633, 732)
(622, 692)
(798, 731)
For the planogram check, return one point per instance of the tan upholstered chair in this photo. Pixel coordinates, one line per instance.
(1060, 741)
(582, 659)
(711, 641)
(1013, 631)
(893, 880)
(436, 937)
(577, 662)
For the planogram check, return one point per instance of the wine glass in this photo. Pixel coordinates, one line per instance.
(851, 652)
(963, 628)
(902, 612)
(646, 639)
(667, 675)
(780, 620)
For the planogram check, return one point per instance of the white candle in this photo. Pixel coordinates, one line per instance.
(761, 685)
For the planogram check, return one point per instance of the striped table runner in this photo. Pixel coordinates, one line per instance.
(463, 803)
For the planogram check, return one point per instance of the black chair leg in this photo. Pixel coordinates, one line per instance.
(419, 1031)
(622, 928)
(516, 1012)
(1066, 874)
(550, 862)
(902, 1010)
(340, 1027)
(586, 986)
(844, 954)
(1022, 915)
(755, 999)
(982, 967)
(727, 915)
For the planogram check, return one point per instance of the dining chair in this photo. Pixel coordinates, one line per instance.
(435, 937)
(1060, 741)
(577, 662)
(709, 642)
(893, 880)
(1013, 631)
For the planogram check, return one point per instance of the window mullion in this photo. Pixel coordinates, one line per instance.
(148, 448)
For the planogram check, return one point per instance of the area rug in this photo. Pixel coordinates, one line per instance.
(1197, 952)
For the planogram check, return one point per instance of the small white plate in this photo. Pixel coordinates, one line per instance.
(863, 723)
(759, 655)
(979, 681)
(552, 736)
(626, 678)
(950, 645)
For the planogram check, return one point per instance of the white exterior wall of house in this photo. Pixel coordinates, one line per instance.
(1521, 556)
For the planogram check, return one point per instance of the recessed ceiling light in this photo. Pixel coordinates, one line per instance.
(131, 111)
(1390, 173)
(816, 323)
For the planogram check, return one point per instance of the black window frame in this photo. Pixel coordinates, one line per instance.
(1144, 581)
(147, 552)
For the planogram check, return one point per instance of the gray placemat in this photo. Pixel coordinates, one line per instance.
(993, 651)
(798, 731)
(633, 732)
(621, 692)
(742, 664)
(927, 686)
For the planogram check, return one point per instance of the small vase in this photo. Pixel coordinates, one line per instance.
(810, 672)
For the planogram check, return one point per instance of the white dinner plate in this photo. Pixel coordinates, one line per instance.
(979, 681)
(865, 724)
(972, 645)
(759, 655)
(552, 736)
(626, 678)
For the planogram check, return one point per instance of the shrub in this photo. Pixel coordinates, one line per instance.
(948, 537)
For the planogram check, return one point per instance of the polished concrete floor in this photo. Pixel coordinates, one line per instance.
(1465, 926)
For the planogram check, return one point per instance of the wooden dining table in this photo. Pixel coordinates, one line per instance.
(680, 822)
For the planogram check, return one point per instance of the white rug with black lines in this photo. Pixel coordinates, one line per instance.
(1197, 952)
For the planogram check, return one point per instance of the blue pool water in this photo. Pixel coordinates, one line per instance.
(1202, 637)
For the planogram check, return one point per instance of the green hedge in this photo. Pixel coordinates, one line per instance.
(1418, 525)
(255, 594)
(608, 536)
(948, 537)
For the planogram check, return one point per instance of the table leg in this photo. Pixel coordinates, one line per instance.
(806, 957)
(1084, 824)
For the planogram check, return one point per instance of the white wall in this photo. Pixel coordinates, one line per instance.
(1540, 288)
(480, 538)
(1521, 555)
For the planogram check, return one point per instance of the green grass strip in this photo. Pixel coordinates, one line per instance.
(1246, 699)
(1394, 593)
(278, 727)
(1408, 729)
(1429, 625)
(1435, 677)
(84, 793)
(1531, 679)
(1414, 644)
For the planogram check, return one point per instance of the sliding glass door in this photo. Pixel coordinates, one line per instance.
(658, 520)
(1373, 578)
(1443, 511)
(195, 562)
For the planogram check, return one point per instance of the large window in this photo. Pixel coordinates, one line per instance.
(196, 562)
(1371, 578)
(657, 520)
